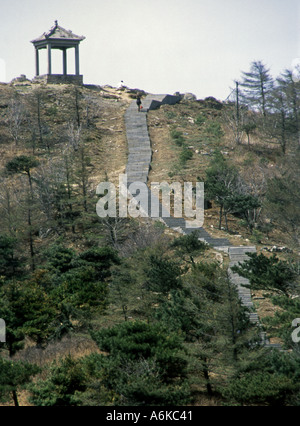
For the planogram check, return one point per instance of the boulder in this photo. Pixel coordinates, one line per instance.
(189, 97)
(213, 103)
(21, 79)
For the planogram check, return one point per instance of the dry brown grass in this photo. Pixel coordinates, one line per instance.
(106, 142)
(75, 346)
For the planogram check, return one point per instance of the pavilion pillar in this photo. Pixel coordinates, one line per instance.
(77, 59)
(37, 62)
(49, 59)
(65, 61)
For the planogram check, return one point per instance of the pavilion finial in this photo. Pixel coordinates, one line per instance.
(56, 23)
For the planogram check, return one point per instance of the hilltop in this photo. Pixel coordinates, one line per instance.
(201, 123)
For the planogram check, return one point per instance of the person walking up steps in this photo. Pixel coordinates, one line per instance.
(139, 102)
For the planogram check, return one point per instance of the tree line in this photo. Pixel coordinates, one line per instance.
(190, 337)
(263, 194)
(269, 105)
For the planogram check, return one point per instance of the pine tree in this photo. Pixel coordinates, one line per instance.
(162, 274)
(282, 201)
(257, 84)
(65, 379)
(245, 206)
(15, 375)
(291, 90)
(145, 364)
(24, 165)
(267, 273)
(189, 246)
(220, 183)
(9, 262)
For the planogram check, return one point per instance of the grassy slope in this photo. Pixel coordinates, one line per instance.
(107, 145)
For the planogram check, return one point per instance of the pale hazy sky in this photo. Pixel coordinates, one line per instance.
(161, 46)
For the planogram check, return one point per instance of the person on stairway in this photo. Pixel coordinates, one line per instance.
(139, 102)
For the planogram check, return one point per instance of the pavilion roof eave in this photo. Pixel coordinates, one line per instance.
(56, 43)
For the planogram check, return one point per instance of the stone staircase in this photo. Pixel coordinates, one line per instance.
(140, 155)
(239, 255)
(137, 169)
(139, 147)
(217, 243)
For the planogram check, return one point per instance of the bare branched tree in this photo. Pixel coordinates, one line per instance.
(8, 212)
(15, 119)
(115, 230)
(74, 135)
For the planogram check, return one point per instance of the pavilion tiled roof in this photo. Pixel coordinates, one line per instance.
(58, 33)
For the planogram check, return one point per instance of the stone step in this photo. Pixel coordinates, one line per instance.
(137, 135)
(239, 258)
(141, 165)
(241, 250)
(139, 148)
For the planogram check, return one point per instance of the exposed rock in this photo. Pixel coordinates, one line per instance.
(219, 258)
(211, 102)
(21, 79)
(189, 97)
(276, 249)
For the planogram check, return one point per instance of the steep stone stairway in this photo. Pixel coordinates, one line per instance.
(239, 255)
(137, 170)
(140, 155)
(139, 147)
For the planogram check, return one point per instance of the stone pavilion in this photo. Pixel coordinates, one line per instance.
(62, 39)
